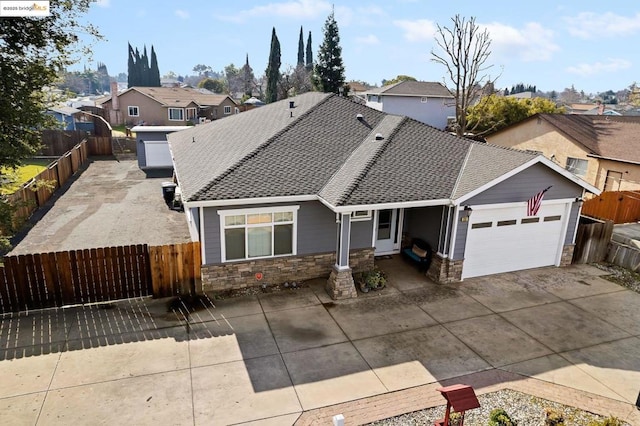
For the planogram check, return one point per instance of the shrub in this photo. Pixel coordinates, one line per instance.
(609, 421)
(499, 417)
(553, 417)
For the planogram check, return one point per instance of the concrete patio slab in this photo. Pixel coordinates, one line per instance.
(446, 303)
(86, 362)
(563, 327)
(403, 275)
(507, 346)
(580, 286)
(232, 307)
(288, 299)
(40, 328)
(417, 357)
(27, 375)
(556, 369)
(21, 410)
(286, 420)
(619, 308)
(156, 399)
(375, 316)
(304, 328)
(331, 374)
(230, 339)
(500, 294)
(243, 391)
(615, 363)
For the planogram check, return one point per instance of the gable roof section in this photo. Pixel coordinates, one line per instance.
(413, 88)
(321, 150)
(178, 97)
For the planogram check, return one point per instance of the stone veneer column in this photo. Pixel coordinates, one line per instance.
(340, 284)
(567, 255)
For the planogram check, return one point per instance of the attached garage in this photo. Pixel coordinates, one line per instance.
(506, 239)
(152, 147)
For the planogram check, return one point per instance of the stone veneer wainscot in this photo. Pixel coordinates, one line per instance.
(277, 270)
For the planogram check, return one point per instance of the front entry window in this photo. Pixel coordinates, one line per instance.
(384, 224)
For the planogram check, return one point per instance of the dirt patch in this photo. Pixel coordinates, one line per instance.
(621, 276)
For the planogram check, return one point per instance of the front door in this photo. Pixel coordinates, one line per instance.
(386, 232)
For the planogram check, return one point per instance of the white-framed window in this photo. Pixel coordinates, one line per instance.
(191, 113)
(227, 109)
(133, 111)
(176, 114)
(258, 233)
(360, 215)
(424, 99)
(577, 166)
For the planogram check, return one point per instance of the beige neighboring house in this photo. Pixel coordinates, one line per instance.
(603, 150)
(167, 106)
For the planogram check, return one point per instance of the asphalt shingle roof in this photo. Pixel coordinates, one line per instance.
(614, 137)
(413, 88)
(322, 148)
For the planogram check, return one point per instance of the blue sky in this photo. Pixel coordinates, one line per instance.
(592, 45)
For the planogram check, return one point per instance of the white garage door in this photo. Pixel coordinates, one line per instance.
(505, 239)
(157, 154)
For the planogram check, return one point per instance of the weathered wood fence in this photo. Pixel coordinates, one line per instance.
(592, 240)
(47, 280)
(617, 206)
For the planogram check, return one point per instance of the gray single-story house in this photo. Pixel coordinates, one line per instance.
(318, 185)
(152, 148)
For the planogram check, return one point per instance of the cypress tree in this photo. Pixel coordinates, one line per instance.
(300, 49)
(329, 71)
(131, 68)
(154, 71)
(273, 69)
(145, 68)
(248, 78)
(309, 63)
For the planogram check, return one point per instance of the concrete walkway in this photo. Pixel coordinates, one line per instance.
(297, 357)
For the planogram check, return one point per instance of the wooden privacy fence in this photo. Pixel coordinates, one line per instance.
(27, 199)
(617, 206)
(592, 240)
(45, 280)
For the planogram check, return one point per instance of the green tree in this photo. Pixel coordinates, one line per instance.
(154, 70)
(215, 85)
(33, 53)
(494, 112)
(248, 78)
(309, 60)
(272, 72)
(300, 49)
(329, 70)
(464, 51)
(398, 79)
(144, 68)
(132, 71)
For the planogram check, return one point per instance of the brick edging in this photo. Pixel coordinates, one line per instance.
(395, 403)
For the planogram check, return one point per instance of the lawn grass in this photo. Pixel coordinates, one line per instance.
(29, 169)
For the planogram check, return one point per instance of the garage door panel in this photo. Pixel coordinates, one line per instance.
(157, 154)
(511, 247)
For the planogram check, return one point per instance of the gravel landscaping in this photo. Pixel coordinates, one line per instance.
(524, 410)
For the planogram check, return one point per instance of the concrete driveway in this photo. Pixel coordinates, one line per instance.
(266, 359)
(111, 203)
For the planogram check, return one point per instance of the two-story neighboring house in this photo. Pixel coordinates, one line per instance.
(428, 102)
(166, 106)
(602, 150)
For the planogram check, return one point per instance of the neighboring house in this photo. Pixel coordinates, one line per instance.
(152, 148)
(317, 185)
(603, 150)
(428, 102)
(65, 115)
(166, 106)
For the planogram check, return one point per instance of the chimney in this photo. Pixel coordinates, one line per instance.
(115, 105)
(600, 108)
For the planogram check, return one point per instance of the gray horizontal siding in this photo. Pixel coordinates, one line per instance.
(573, 222)
(361, 234)
(525, 185)
(316, 226)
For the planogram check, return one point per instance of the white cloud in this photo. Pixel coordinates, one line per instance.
(611, 65)
(589, 25)
(297, 9)
(530, 43)
(103, 3)
(370, 40)
(416, 31)
(182, 14)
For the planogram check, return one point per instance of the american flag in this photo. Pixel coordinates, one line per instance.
(534, 203)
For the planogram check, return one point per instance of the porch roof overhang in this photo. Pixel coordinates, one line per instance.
(313, 197)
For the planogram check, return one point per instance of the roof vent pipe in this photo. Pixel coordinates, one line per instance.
(379, 136)
(360, 117)
(292, 104)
